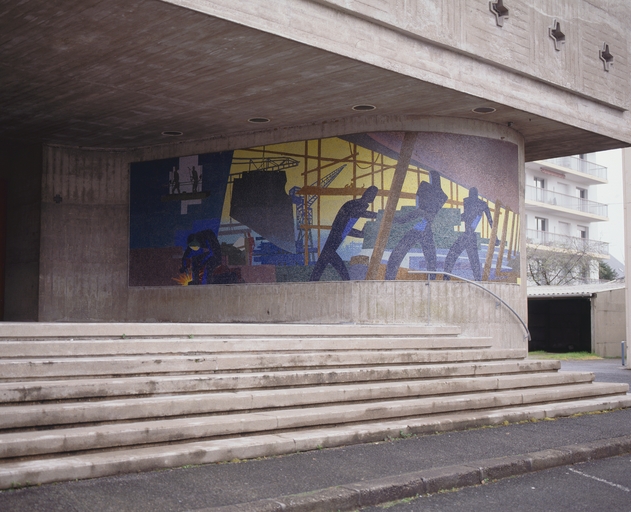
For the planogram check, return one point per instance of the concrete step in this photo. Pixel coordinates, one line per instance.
(73, 389)
(63, 440)
(99, 347)
(83, 400)
(44, 330)
(23, 369)
(134, 408)
(105, 463)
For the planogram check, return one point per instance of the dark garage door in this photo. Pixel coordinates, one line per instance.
(560, 325)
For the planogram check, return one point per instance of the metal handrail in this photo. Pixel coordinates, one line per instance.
(550, 239)
(474, 283)
(580, 165)
(553, 198)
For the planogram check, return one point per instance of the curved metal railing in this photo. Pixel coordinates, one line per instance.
(474, 283)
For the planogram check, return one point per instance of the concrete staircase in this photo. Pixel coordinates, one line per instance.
(89, 400)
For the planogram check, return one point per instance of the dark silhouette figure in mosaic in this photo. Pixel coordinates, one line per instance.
(474, 208)
(195, 178)
(430, 198)
(346, 217)
(176, 181)
(204, 251)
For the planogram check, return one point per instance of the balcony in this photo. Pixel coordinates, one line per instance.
(543, 199)
(578, 165)
(555, 241)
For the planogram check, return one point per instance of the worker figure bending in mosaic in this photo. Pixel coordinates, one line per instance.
(430, 198)
(204, 251)
(474, 208)
(346, 217)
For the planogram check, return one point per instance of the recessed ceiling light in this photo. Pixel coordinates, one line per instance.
(364, 108)
(484, 110)
(172, 133)
(258, 120)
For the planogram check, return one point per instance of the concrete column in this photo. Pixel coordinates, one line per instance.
(22, 171)
(626, 180)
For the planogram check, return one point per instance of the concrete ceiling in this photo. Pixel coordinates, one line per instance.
(118, 73)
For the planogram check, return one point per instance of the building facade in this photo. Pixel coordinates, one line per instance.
(562, 214)
(135, 137)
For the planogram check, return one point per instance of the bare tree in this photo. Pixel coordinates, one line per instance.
(561, 260)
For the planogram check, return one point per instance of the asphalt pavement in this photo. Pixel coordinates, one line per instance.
(352, 477)
(600, 485)
(606, 370)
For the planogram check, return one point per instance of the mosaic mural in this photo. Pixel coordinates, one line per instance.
(318, 210)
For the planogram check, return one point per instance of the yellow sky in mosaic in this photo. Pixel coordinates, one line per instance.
(363, 168)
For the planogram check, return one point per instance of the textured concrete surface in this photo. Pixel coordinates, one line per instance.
(157, 430)
(126, 386)
(380, 471)
(164, 406)
(217, 345)
(195, 66)
(133, 365)
(205, 68)
(19, 330)
(326, 398)
(609, 317)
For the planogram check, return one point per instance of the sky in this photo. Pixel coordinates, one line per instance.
(612, 195)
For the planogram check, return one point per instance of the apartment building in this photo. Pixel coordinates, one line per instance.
(561, 211)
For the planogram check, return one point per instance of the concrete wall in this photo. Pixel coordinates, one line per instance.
(84, 253)
(522, 43)
(608, 322)
(83, 271)
(371, 302)
(457, 44)
(21, 167)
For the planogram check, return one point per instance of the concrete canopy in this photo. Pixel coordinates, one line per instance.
(117, 74)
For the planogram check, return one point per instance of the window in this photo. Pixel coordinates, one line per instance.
(540, 185)
(583, 232)
(581, 193)
(583, 164)
(542, 228)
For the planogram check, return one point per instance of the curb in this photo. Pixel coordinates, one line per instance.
(383, 490)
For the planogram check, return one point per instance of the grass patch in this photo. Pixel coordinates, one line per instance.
(574, 356)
